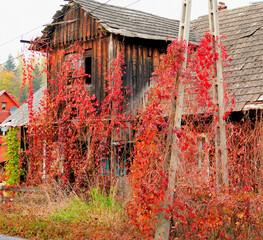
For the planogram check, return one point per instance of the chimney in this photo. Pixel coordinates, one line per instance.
(222, 6)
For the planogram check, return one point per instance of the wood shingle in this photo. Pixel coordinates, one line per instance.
(243, 28)
(129, 22)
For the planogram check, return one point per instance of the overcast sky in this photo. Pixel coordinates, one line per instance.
(17, 17)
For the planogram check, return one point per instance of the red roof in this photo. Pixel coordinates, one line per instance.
(10, 96)
(4, 115)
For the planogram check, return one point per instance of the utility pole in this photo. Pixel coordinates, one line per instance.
(163, 225)
(220, 127)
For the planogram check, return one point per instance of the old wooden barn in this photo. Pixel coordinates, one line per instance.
(101, 30)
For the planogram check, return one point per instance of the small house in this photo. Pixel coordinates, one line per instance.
(8, 105)
(20, 118)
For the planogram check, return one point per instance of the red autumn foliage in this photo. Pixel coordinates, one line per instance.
(72, 138)
(200, 209)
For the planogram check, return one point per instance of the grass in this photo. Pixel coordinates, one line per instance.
(102, 217)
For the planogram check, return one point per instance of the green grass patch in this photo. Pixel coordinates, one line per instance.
(99, 217)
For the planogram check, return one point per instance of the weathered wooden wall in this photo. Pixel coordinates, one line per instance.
(76, 25)
(79, 27)
(141, 56)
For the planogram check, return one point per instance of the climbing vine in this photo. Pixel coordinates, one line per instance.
(77, 140)
(197, 210)
(12, 156)
(72, 137)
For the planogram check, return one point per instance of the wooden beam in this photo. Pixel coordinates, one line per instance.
(26, 41)
(21, 189)
(57, 23)
(220, 127)
(163, 225)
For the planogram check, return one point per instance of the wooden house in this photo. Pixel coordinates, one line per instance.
(8, 105)
(102, 30)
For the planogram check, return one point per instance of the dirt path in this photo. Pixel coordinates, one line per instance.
(3, 237)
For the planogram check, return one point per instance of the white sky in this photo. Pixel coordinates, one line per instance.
(17, 17)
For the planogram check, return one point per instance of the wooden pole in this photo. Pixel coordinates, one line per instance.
(220, 127)
(163, 225)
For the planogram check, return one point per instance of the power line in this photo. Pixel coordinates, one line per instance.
(99, 6)
(62, 15)
(133, 3)
(42, 26)
(76, 28)
(5, 43)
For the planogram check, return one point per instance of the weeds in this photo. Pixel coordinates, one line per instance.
(99, 217)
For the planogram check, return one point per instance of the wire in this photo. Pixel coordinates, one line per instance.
(99, 6)
(62, 15)
(75, 29)
(82, 26)
(42, 26)
(133, 3)
(5, 43)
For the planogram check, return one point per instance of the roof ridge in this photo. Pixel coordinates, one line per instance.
(131, 22)
(231, 10)
(2, 92)
(125, 8)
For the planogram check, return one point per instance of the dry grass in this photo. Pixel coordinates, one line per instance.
(70, 217)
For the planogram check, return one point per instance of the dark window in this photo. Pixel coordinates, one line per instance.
(88, 70)
(3, 105)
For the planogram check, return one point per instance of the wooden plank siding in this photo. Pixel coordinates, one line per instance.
(142, 56)
(141, 59)
(75, 26)
(87, 32)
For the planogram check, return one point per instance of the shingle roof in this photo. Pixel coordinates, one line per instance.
(132, 23)
(244, 30)
(21, 116)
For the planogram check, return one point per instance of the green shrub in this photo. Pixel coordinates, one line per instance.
(12, 157)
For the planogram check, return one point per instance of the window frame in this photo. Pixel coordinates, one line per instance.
(89, 54)
(4, 105)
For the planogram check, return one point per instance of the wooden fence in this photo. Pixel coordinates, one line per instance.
(18, 190)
